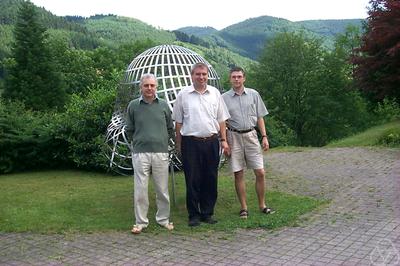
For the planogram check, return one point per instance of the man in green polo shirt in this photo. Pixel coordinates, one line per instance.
(150, 126)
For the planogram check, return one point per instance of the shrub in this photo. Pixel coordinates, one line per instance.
(390, 138)
(83, 125)
(26, 140)
(387, 111)
(279, 134)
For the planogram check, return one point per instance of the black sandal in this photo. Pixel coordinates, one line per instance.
(243, 214)
(267, 210)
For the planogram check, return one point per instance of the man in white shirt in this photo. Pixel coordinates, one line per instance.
(200, 113)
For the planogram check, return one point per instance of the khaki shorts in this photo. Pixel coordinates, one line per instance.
(245, 151)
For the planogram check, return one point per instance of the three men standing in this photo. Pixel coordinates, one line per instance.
(200, 112)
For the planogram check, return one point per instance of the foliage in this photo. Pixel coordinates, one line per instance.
(183, 37)
(84, 69)
(77, 66)
(345, 48)
(387, 111)
(115, 30)
(279, 134)
(83, 125)
(31, 77)
(30, 140)
(26, 140)
(301, 81)
(390, 138)
(75, 201)
(378, 62)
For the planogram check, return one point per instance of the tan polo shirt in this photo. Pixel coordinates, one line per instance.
(244, 109)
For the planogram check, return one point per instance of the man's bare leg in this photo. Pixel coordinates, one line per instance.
(260, 187)
(240, 186)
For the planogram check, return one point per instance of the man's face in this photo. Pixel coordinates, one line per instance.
(200, 77)
(237, 79)
(149, 88)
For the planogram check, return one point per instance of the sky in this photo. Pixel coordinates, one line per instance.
(174, 14)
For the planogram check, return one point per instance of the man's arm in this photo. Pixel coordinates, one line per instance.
(264, 138)
(178, 137)
(130, 123)
(224, 142)
(170, 124)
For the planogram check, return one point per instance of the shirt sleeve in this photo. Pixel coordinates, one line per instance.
(170, 124)
(222, 113)
(130, 122)
(177, 113)
(261, 109)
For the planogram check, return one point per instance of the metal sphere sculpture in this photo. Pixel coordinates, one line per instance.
(171, 65)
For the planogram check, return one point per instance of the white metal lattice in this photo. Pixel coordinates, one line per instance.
(171, 64)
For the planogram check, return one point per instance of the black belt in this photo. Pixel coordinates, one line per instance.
(240, 131)
(213, 136)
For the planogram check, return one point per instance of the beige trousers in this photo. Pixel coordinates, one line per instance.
(156, 165)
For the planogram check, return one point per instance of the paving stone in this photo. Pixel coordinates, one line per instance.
(361, 222)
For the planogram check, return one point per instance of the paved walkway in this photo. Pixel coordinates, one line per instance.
(361, 226)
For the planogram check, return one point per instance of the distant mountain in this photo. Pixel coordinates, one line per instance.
(199, 31)
(249, 37)
(331, 27)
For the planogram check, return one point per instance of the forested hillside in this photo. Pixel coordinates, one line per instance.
(249, 37)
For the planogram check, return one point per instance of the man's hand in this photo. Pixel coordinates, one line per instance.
(178, 149)
(265, 144)
(225, 148)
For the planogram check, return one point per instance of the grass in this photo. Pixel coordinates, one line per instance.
(387, 135)
(76, 201)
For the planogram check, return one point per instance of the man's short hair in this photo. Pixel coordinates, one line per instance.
(147, 76)
(237, 69)
(198, 65)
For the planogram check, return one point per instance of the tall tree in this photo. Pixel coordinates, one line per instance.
(306, 87)
(32, 77)
(378, 64)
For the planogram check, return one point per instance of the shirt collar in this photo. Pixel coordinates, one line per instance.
(192, 89)
(233, 93)
(141, 99)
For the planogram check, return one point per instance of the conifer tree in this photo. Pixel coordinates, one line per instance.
(32, 77)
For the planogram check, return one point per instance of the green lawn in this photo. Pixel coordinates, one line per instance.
(387, 135)
(76, 201)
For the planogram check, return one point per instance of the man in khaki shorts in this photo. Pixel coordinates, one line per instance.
(247, 110)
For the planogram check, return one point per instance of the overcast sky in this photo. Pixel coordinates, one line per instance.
(173, 14)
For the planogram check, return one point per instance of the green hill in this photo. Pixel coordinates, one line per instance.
(248, 37)
(116, 30)
(382, 135)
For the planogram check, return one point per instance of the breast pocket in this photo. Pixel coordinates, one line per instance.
(252, 110)
(211, 108)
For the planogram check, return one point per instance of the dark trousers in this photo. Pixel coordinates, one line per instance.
(200, 164)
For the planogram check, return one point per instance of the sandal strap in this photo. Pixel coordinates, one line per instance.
(267, 210)
(243, 213)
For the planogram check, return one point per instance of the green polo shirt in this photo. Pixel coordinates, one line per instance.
(149, 126)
